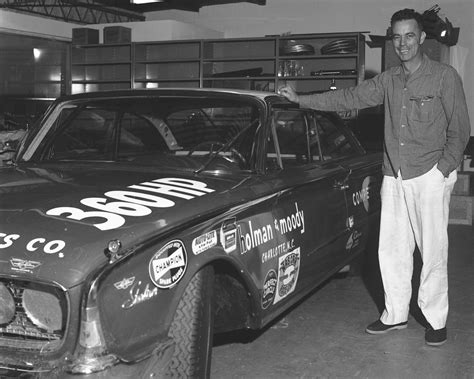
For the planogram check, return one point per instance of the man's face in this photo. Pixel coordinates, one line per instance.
(407, 39)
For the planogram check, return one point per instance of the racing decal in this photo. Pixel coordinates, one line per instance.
(362, 196)
(350, 222)
(36, 244)
(354, 240)
(228, 235)
(134, 202)
(124, 283)
(22, 265)
(138, 295)
(204, 242)
(278, 250)
(288, 270)
(168, 265)
(253, 236)
(269, 288)
(294, 221)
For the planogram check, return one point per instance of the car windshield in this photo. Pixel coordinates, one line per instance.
(194, 133)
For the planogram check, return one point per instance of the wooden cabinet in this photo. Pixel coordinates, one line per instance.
(309, 62)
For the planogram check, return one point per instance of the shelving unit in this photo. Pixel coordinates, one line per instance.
(167, 64)
(263, 63)
(41, 78)
(240, 63)
(101, 67)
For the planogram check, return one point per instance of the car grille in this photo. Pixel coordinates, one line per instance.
(33, 316)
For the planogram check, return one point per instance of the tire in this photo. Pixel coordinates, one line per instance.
(192, 329)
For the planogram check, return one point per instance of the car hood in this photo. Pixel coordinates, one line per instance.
(38, 240)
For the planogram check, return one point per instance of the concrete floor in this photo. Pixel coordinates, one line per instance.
(324, 337)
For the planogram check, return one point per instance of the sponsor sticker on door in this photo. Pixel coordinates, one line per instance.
(288, 270)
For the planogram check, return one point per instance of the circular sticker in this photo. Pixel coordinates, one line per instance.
(269, 288)
(168, 265)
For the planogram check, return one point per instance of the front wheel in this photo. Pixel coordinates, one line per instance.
(192, 328)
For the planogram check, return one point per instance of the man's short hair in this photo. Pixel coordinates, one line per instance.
(407, 14)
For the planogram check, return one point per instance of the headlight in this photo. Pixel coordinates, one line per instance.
(7, 310)
(43, 309)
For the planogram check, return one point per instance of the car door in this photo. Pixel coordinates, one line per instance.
(310, 213)
(363, 180)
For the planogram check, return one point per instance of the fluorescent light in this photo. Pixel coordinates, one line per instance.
(145, 1)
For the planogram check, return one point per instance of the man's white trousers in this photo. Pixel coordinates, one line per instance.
(415, 211)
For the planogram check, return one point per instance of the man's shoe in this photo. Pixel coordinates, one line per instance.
(378, 327)
(436, 337)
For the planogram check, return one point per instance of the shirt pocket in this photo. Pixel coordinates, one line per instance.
(422, 108)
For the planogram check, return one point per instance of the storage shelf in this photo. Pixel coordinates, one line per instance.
(155, 80)
(318, 56)
(101, 81)
(241, 59)
(205, 63)
(151, 61)
(101, 63)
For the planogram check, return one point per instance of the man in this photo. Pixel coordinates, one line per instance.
(426, 131)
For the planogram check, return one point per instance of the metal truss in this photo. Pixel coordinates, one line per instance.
(76, 11)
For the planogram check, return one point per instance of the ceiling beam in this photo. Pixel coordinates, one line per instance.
(107, 11)
(77, 11)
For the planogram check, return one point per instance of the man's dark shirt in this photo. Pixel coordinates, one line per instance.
(426, 118)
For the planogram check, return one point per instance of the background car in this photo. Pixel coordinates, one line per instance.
(135, 224)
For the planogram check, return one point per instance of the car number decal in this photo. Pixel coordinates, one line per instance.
(168, 265)
(132, 203)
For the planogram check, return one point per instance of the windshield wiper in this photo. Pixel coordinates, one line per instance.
(225, 147)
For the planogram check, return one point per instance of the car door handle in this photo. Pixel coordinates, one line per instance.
(340, 184)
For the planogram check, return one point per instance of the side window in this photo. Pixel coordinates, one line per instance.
(293, 141)
(334, 143)
(139, 136)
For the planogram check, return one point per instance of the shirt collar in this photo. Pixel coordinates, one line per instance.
(424, 69)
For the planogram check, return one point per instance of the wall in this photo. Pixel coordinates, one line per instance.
(153, 30)
(163, 30)
(18, 23)
(322, 16)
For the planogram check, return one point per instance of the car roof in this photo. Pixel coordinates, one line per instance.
(212, 92)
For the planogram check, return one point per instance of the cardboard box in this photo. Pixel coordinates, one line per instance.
(465, 184)
(85, 36)
(461, 209)
(117, 34)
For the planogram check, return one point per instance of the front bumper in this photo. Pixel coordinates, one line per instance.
(151, 367)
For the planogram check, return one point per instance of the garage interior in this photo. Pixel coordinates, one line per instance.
(50, 48)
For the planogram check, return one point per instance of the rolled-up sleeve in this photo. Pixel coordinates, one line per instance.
(367, 94)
